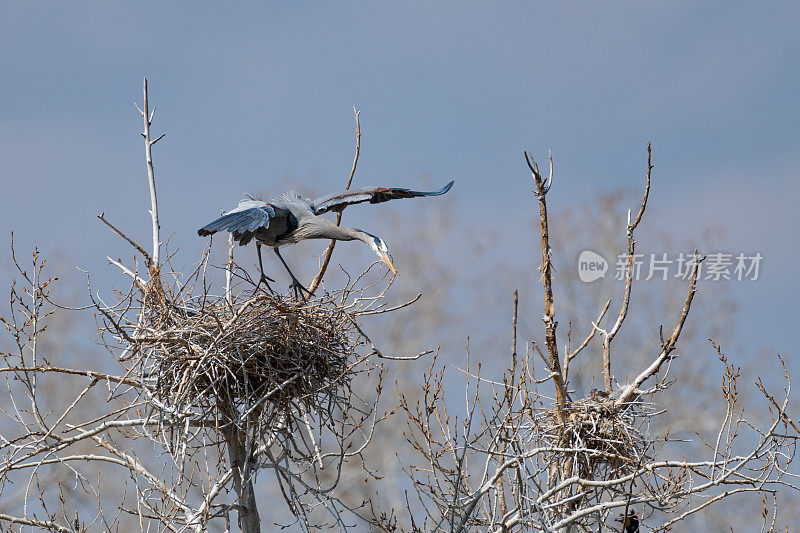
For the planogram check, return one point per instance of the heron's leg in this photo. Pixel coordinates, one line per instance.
(298, 287)
(263, 277)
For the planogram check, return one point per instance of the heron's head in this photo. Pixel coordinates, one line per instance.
(382, 251)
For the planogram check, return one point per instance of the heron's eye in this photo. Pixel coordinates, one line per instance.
(380, 244)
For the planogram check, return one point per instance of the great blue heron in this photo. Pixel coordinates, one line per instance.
(291, 218)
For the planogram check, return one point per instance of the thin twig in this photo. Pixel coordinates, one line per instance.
(329, 251)
(133, 243)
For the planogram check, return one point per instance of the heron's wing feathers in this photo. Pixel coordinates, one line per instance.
(373, 195)
(244, 221)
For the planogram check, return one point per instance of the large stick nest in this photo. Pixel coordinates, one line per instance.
(263, 351)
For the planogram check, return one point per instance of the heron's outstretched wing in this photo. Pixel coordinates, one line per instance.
(250, 219)
(373, 195)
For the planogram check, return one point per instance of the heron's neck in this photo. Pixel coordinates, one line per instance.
(352, 234)
(341, 233)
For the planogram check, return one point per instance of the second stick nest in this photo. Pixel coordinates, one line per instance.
(596, 436)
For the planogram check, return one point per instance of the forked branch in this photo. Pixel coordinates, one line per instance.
(542, 187)
(626, 298)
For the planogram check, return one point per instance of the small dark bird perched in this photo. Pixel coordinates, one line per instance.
(290, 218)
(630, 523)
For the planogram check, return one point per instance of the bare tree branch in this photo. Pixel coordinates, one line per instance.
(626, 298)
(147, 117)
(329, 251)
(542, 187)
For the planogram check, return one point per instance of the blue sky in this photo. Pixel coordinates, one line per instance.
(258, 97)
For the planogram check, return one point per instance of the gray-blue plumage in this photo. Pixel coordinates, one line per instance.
(291, 218)
(253, 218)
(373, 195)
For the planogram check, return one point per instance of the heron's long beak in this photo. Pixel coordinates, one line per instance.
(386, 259)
